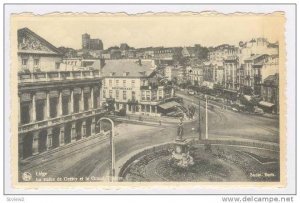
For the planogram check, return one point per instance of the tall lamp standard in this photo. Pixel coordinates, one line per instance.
(199, 120)
(206, 121)
(112, 147)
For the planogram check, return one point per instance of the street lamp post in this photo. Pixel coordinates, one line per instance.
(112, 147)
(206, 121)
(199, 120)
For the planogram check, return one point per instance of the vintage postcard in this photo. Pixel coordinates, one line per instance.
(148, 100)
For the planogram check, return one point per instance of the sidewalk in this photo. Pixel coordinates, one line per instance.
(141, 119)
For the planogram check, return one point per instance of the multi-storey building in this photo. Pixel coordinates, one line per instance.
(56, 107)
(231, 66)
(270, 93)
(252, 72)
(195, 74)
(171, 72)
(91, 44)
(270, 67)
(221, 52)
(134, 86)
(258, 46)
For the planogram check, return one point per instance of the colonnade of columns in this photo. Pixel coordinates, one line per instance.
(43, 140)
(139, 108)
(45, 97)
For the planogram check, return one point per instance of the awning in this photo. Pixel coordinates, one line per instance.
(231, 91)
(169, 105)
(266, 104)
(247, 97)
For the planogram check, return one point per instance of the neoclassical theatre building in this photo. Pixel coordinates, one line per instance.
(58, 103)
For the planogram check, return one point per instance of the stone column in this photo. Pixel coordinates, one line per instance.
(33, 118)
(19, 110)
(59, 112)
(93, 127)
(20, 147)
(73, 132)
(62, 136)
(233, 76)
(48, 110)
(225, 75)
(82, 101)
(49, 138)
(92, 98)
(156, 109)
(71, 102)
(35, 143)
(83, 129)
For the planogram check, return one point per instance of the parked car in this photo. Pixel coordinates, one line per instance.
(191, 92)
(258, 110)
(234, 109)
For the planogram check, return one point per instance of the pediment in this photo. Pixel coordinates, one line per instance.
(29, 42)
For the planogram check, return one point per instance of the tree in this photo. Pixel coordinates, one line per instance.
(201, 52)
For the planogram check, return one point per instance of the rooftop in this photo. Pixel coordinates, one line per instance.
(133, 68)
(255, 56)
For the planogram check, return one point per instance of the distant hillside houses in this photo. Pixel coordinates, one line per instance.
(237, 69)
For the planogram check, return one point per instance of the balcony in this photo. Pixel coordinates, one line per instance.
(59, 120)
(29, 77)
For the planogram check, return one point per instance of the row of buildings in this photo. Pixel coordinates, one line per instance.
(60, 100)
(246, 69)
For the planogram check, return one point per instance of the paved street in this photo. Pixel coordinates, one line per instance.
(93, 160)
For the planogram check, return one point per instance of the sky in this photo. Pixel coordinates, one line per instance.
(149, 30)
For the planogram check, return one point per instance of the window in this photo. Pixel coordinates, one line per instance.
(24, 63)
(117, 83)
(133, 95)
(36, 63)
(110, 83)
(132, 83)
(124, 95)
(104, 93)
(110, 93)
(117, 94)
(124, 83)
(57, 65)
(148, 95)
(143, 95)
(159, 94)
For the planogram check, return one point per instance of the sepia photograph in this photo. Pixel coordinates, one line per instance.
(186, 98)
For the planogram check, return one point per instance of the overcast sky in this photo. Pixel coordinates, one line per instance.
(144, 31)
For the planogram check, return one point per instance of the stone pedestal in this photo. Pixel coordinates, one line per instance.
(181, 154)
(180, 148)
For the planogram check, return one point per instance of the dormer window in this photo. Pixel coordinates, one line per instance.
(112, 73)
(125, 73)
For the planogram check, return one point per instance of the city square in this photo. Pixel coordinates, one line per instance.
(191, 113)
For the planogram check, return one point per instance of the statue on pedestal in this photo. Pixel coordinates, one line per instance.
(180, 131)
(181, 154)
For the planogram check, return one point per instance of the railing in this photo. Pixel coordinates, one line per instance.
(62, 119)
(27, 77)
